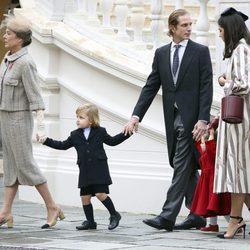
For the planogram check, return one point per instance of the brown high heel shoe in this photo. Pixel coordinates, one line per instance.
(239, 227)
(7, 220)
(59, 215)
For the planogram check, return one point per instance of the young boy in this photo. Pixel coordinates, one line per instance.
(94, 177)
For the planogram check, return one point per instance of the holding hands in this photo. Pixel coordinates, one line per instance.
(132, 126)
(41, 139)
(200, 128)
(214, 123)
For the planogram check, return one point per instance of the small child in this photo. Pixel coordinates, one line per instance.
(94, 178)
(205, 202)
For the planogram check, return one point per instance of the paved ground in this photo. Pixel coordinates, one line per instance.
(132, 234)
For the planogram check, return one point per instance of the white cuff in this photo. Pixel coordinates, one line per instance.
(137, 117)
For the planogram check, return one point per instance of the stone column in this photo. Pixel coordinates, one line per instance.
(92, 14)
(121, 12)
(70, 7)
(202, 25)
(53, 9)
(157, 24)
(137, 22)
(179, 4)
(81, 7)
(106, 6)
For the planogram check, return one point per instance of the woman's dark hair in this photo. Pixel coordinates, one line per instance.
(234, 30)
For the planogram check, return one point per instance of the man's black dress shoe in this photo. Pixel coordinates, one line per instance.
(86, 225)
(114, 221)
(192, 221)
(160, 223)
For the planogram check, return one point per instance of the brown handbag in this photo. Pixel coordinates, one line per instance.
(232, 109)
(231, 105)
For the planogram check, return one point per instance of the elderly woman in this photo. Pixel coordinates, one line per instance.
(19, 96)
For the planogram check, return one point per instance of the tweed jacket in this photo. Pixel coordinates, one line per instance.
(19, 89)
(91, 156)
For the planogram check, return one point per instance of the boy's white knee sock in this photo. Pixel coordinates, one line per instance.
(213, 220)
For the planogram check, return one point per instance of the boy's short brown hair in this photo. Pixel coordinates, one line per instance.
(92, 112)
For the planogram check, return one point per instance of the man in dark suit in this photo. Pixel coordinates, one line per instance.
(183, 70)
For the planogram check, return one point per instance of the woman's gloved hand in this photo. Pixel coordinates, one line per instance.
(214, 123)
(40, 136)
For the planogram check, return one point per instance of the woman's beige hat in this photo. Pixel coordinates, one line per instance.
(18, 24)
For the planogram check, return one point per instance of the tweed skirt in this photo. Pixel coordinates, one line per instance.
(18, 161)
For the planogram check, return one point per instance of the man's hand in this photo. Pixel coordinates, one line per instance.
(199, 130)
(131, 126)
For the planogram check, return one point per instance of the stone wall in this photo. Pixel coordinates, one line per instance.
(1, 167)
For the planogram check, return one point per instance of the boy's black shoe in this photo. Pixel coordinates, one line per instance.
(86, 225)
(114, 221)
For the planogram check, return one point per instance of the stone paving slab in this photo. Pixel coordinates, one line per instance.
(132, 234)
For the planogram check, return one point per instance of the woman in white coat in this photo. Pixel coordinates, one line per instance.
(232, 169)
(19, 96)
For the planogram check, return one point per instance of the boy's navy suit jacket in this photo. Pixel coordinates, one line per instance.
(91, 156)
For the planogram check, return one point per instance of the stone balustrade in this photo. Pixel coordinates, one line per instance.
(129, 20)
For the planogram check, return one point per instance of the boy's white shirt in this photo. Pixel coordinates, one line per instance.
(86, 132)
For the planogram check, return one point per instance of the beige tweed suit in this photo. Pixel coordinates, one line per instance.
(19, 96)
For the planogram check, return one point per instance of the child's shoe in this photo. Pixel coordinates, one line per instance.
(114, 221)
(210, 228)
(86, 225)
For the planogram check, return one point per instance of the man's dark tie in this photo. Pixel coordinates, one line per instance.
(176, 59)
